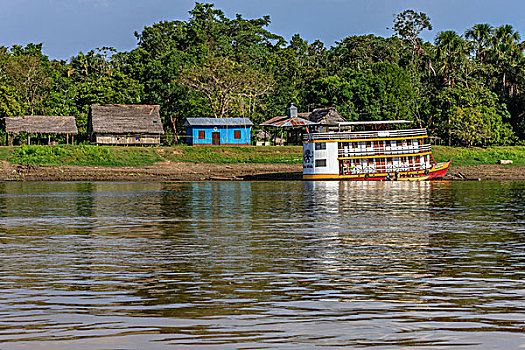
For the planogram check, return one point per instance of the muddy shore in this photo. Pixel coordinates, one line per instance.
(168, 171)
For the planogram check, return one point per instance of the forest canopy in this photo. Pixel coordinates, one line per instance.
(465, 88)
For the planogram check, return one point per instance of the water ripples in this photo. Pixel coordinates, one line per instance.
(262, 265)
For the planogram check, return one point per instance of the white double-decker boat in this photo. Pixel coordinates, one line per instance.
(369, 151)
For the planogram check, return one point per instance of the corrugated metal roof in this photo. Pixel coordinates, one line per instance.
(218, 122)
(285, 121)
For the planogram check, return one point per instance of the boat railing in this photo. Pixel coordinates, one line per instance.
(389, 151)
(365, 135)
(363, 169)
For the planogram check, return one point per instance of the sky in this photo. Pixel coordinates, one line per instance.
(67, 27)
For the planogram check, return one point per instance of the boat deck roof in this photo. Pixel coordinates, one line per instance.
(371, 122)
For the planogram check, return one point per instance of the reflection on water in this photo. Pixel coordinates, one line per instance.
(260, 265)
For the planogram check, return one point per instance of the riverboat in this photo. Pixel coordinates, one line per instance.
(372, 150)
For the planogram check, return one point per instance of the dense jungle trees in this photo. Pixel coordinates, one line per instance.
(468, 89)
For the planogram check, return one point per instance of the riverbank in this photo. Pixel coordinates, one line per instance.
(184, 163)
(186, 171)
(162, 171)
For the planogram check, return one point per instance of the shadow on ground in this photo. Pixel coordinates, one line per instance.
(274, 177)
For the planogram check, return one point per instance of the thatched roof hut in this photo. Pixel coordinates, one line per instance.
(125, 119)
(40, 124)
(326, 115)
(115, 124)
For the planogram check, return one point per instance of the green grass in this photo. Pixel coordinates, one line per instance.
(145, 156)
(477, 156)
(82, 155)
(5, 152)
(228, 154)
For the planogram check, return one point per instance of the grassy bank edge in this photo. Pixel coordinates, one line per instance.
(109, 156)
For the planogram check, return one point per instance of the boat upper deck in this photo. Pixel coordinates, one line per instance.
(366, 135)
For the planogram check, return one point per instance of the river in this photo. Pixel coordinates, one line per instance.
(262, 265)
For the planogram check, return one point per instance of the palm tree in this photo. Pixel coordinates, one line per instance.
(507, 34)
(507, 53)
(480, 36)
(451, 52)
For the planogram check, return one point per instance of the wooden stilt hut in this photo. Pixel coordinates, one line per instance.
(39, 124)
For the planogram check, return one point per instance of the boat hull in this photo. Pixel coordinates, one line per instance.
(436, 172)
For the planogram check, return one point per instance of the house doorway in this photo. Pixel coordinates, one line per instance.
(215, 138)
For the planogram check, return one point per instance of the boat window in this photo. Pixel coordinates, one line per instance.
(368, 144)
(320, 145)
(319, 163)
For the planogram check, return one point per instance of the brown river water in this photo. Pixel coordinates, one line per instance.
(262, 265)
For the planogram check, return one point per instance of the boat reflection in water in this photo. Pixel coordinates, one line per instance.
(371, 220)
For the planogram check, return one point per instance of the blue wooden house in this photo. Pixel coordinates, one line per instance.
(218, 131)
